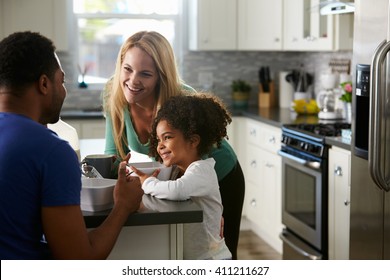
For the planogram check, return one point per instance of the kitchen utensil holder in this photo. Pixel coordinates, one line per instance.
(267, 99)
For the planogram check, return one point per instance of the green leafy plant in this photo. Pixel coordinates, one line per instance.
(347, 95)
(240, 86)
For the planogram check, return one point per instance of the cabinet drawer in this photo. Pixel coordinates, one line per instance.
(263, 135)
(271, 138)
(253, 132)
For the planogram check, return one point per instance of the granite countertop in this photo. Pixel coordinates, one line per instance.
(272, 116)
(93, 113)
(339, 141)
(153, 211)
(281, 116)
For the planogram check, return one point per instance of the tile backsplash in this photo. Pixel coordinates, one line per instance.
(215, 71)
(227, 66)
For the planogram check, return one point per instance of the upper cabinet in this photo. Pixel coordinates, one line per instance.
(212, 24)
(306, 30)
(260, 25)
(235, 25)
(51, 18)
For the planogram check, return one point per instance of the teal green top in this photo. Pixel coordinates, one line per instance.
(224, 157)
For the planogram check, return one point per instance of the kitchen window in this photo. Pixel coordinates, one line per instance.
(103, 25)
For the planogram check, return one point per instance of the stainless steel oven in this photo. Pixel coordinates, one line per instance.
(302, 206)
(305, 190)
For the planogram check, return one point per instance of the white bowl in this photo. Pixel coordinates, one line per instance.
(149, 167)
(97, 194)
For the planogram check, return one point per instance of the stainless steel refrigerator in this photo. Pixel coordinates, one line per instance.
(370, 161)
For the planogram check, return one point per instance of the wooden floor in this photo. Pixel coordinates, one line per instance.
(252, 247)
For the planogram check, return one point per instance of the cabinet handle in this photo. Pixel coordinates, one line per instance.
(338, 171)
(311, 38)
(295, 39)
(253, 202)
(346, 202)
(277, 40)
(253, 164)
(252, 132)
(269, 165)
(272, 140)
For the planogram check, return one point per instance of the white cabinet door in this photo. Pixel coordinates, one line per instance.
(306, 30)
(212, 25)
(237, 137)
(48, 17)
(262, 170)
(259, 25)
(263, 194)
(339, 199)
(155, 242)
(271, 202)
(93, 129)
(252, 204)
(89, 128)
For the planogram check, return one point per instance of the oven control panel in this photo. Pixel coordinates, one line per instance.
(303, 146)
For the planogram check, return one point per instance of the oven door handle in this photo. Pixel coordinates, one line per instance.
(299, 250)
(312, 164)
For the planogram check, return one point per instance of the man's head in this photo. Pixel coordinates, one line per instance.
(27, 60)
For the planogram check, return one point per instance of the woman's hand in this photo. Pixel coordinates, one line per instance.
(142, 176)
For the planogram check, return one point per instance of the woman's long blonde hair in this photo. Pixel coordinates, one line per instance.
(169, 82)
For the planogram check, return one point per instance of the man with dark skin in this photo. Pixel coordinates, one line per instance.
(40, 177)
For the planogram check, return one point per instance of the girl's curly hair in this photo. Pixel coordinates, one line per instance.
(203, 114)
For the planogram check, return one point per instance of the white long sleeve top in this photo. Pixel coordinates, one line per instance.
(200, 184)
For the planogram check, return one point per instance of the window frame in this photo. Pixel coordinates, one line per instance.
(179, 27)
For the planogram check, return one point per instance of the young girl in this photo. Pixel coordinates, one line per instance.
(183, 133)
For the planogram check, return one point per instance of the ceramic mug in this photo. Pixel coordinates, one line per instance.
(102, 163)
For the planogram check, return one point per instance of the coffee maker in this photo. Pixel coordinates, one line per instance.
(327, 99)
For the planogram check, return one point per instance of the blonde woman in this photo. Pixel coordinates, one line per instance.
(145, 77)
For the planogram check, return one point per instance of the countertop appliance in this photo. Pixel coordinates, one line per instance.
(370, 180)
(304, 189)
(326, 98)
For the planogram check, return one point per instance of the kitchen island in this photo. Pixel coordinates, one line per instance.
(155, 231)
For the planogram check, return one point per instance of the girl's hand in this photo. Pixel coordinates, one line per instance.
(142, 176)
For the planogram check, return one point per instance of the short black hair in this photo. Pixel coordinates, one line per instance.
(203, 114)
(24, 57)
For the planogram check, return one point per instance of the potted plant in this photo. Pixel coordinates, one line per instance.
(241, 92)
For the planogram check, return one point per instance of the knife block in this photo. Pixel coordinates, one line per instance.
(267, 99)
